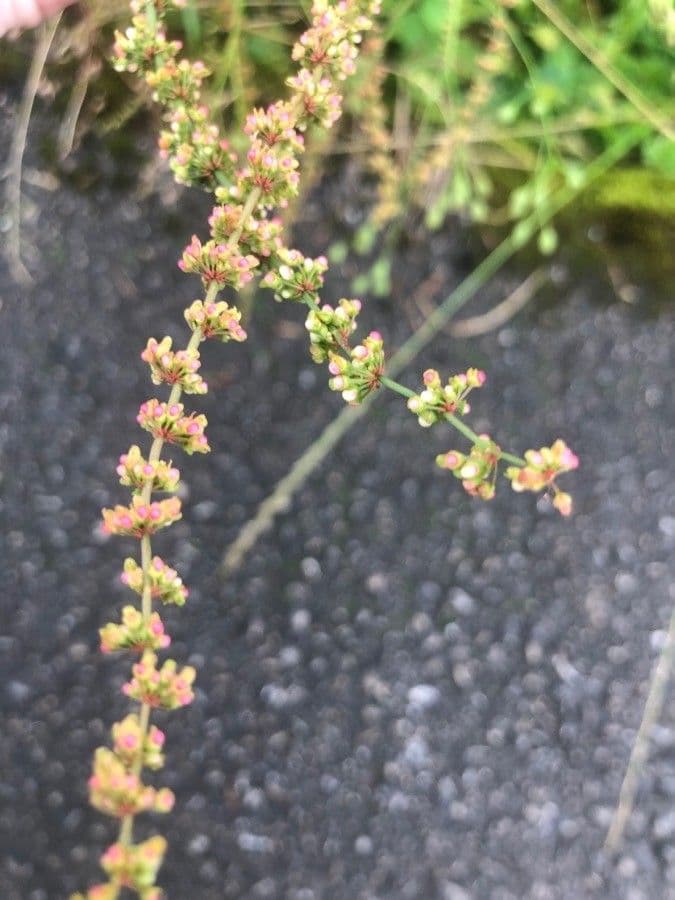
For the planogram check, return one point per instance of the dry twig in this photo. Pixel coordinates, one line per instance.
(45, 36)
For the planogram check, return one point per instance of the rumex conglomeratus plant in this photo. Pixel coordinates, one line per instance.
(245, 239)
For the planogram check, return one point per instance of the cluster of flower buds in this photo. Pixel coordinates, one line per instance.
(330, 328)
(327, 44)
(167, 422)
(217, 263)
(359, 375)
(275, 127)
(135, 865)
(478, 470)
(166, 688)
(174, 81)
(438, 400)
(271, 161)
(136, 472)
(541, 469)
(296, 277)
(243, 237)
(164, 582)
(174, 367)
(320, 102)
(133, 747)
(197, 154)
(116, 791)
(216, 320)
(327, 51)
(141, 518)
(258, 236)
(137, 48)
(134, 632)
(274, 173)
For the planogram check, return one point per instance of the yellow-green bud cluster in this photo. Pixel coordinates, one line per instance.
(216, 320)
(167, 688)
(134, 632)
(141, 519)
(330, 328)
(196, 153)
(167, 422)
(177, 81)
(275, 127)
(296, 277)
(116, 791)
(139, 45)
(541, 469)
(271, 171)
(163, 581)
(174, 367)
(221, 264)
(136, 472)
(134, 747)
(192, 143)
(136, 865)
(259, 237)
(438, 400)
(359, 375)
(320, 102)
(478, 470)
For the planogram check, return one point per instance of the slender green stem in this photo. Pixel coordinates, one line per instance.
(251, 202)
(453, 420)
(395, 386)
(126, 834)
(516, 460)
(146, 557)
(471, 435)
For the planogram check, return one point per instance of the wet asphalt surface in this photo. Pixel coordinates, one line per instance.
(403, 694)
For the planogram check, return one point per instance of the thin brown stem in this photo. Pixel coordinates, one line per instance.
(18, 145)
(640, 751)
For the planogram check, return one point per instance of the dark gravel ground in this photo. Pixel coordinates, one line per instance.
(403, 693)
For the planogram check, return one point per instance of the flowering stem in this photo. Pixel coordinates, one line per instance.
(453, 420)
(197, 155)
(126, 828)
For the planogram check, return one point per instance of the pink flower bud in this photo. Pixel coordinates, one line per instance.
(568, 459)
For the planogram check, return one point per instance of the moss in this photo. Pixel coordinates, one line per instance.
(637, 189)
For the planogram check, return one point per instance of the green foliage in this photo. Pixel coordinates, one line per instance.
(478, 109)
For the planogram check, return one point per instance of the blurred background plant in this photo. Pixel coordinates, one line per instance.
(479, 109)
